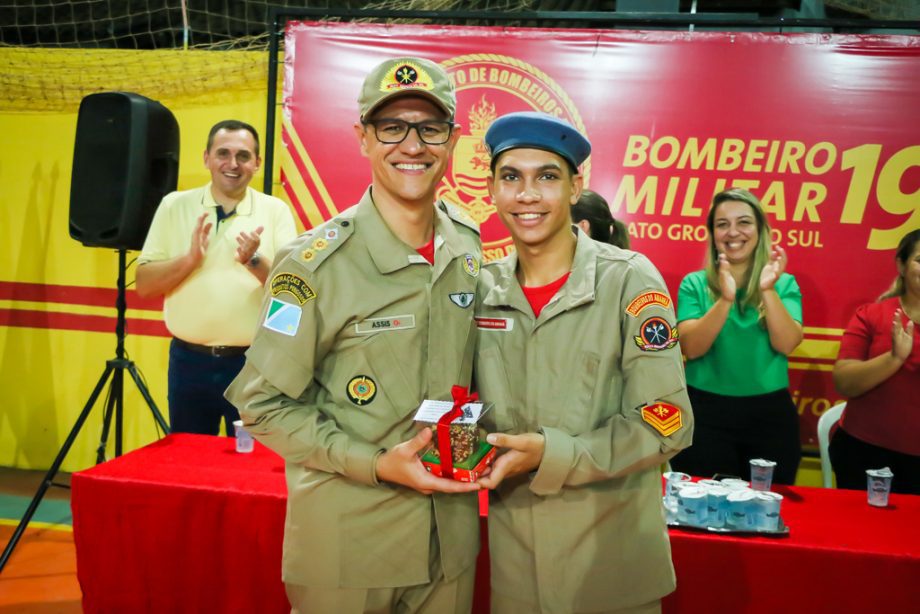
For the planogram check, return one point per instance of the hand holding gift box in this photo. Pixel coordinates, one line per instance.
(457, 451)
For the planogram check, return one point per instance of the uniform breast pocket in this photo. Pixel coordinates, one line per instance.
(580, 394)
(370, 375)
(494, 387)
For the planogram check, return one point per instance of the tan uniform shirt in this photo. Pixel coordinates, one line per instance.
(586, 531)
(357, 330)
(218, 304)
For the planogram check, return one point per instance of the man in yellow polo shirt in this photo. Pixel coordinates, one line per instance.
(208, 251)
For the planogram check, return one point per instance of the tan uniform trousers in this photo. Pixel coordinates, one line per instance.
(501, 604)
(434, 597)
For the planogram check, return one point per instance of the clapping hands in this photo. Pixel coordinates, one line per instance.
(772, 270)
(902, 336)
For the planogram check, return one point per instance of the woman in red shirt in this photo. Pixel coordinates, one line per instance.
(878, 368)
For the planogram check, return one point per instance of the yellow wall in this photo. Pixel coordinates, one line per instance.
(47, 375)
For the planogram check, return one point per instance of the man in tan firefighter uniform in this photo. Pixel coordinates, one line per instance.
(365, 317)
(578, 351)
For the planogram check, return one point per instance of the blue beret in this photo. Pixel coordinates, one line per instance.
(530, 130)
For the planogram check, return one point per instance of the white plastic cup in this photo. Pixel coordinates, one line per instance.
(879, 486)
(244, 441)
(692, 508)
(717, 501)
(768, 514)
(761, 474)
(672, 478)
(679, 489)
(742, 513)
(735, 484)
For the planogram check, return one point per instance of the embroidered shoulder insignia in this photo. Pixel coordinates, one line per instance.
(323, 241)
(648, 299)
(656, 334)
(471, 265)
(663, 417)
(293, 285)
(282, 317)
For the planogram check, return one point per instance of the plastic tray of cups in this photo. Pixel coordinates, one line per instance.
(781, 531)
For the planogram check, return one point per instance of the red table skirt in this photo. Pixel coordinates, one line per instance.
(188, 525)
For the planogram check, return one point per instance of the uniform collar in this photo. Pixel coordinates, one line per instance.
(244, 207)
(444, 228)
(579, 288)
(387, 251)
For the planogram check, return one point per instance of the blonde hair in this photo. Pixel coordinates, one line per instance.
(749, 292)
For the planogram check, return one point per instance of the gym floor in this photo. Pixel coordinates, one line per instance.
(41, 575)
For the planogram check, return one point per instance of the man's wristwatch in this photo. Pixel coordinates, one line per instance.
(254, 261)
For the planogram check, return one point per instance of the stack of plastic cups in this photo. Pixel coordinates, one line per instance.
(673, 481)
(735, 484)
(717, 500)
(741, 510)
(679, 487)
(693, 506)
(768, 512)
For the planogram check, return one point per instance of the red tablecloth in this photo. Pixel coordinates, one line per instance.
(187, 524)
(841, 556)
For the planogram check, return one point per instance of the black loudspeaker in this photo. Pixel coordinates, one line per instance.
(125, 159)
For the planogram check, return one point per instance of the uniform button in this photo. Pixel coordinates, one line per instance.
(344, 223)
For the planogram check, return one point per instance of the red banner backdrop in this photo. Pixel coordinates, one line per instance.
(822, 128)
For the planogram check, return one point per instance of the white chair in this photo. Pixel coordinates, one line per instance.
(827, 420)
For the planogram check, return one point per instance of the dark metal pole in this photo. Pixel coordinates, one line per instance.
(272, 100)
(118, 381)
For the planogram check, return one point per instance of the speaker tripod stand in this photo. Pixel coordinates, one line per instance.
(114, 368)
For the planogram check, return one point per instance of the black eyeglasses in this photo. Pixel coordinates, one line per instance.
(393, 131)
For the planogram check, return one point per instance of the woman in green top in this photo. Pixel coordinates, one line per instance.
(738, 319)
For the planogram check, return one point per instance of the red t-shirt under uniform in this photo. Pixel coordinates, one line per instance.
(888, 415)
(427, 251)
(539, 296)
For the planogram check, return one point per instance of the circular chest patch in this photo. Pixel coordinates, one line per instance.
(361, 390)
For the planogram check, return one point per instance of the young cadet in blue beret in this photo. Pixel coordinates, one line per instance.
(365, 317)
(578, 351)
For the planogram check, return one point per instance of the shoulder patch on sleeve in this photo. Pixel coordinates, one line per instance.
(282, 317)
(663, 417)
(314, 247)
(656, 334)
(293, 285)
(458, 215)
(647, 299)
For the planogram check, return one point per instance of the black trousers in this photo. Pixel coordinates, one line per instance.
(730, 431)
(196, 391)
(851, 457)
